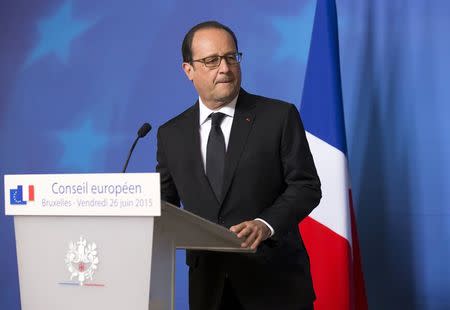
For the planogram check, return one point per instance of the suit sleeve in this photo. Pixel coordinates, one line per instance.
(302, 192)
(169, 191)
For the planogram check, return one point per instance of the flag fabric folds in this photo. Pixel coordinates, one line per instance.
(329, 232)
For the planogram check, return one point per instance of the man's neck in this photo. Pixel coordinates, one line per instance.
(218, 105)
(227, 109)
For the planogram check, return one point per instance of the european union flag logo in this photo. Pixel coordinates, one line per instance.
(16, 195)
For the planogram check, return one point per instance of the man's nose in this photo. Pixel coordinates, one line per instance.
(223, 65)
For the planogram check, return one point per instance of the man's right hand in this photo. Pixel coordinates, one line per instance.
(252, 233)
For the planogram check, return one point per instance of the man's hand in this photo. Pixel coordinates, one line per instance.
(252, 232)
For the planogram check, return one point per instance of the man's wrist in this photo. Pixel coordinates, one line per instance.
(272, 231)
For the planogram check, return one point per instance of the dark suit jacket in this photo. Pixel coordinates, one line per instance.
(269, 174)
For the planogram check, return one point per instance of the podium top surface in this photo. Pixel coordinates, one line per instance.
(190, 231)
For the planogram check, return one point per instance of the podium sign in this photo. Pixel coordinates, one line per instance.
(131, 194)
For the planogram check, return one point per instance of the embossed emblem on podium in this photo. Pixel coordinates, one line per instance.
(82, 262)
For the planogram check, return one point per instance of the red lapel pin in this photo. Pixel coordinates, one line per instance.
(248, 119)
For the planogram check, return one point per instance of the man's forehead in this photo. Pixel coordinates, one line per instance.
(209, 40)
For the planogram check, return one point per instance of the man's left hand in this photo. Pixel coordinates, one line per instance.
(252, 232)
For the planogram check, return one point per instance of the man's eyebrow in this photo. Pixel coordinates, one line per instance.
(216, 54)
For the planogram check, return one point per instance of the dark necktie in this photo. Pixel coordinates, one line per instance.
(215, 154)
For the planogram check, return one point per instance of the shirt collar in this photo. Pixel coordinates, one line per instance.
(227, 109)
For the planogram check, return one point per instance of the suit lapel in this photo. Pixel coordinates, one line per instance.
(194, 125)
(244, 116)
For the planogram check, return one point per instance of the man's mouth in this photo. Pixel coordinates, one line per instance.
(224, 81)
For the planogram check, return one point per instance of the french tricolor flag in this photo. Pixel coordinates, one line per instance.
(28, 192)
(329, 231)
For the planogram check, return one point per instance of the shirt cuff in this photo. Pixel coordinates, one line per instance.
(272, 232)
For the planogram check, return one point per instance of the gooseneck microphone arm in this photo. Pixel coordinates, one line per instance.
(142, 132)
(129, 153)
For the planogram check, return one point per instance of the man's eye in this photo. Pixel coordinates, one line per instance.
(211, 60)
(231, 57)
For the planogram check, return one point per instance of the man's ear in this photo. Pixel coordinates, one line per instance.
(189, 70)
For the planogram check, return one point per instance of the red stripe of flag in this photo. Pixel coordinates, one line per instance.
(30, 192)
(360, 296)
(335, 265)
(330, 256)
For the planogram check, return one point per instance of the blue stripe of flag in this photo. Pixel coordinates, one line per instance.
(321, 108)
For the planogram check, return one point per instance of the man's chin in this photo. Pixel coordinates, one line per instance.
(227, 91)
(225, 99)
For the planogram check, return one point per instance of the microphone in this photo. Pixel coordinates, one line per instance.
(142, 132)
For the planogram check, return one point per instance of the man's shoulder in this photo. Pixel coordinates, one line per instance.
(179, 119)
(269, 104)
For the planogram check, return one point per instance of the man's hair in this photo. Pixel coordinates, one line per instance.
(186, 47)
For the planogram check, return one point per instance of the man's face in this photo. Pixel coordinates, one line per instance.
(220, 85)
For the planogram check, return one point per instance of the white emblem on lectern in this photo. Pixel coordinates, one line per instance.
(81, 260)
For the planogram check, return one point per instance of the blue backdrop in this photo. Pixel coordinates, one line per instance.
(78, 77)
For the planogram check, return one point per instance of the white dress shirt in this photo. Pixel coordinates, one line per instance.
(225, 126)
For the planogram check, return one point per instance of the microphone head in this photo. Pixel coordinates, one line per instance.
(143, 131)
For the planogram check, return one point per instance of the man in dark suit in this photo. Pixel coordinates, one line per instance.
(241, 161)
